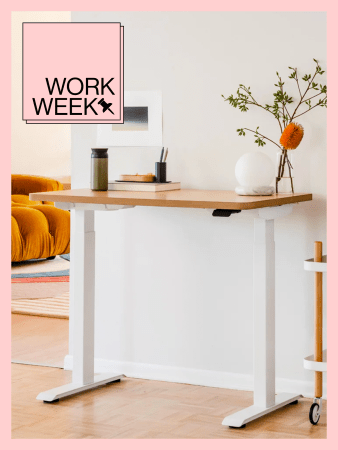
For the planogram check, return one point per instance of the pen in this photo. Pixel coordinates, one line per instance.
(165, 156)
(162, 154)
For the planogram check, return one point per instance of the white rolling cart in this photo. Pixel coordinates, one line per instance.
(317, 361)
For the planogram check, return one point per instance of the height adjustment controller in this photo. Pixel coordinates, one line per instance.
(225, 212)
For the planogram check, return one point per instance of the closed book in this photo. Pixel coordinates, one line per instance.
(145, 187)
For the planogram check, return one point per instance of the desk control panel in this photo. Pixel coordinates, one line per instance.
(225, 212)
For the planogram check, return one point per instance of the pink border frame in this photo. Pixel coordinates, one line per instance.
(173, 5)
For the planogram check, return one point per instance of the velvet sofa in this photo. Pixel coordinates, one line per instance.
(39, 229)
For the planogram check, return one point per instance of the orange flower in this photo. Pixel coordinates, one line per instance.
(292, 136)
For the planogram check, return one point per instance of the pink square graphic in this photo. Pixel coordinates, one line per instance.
(73, 72)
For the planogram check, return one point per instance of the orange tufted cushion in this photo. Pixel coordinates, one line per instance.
(26, 184)
(24, 200)
(39, 230)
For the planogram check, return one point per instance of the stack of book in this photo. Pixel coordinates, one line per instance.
(143, 186)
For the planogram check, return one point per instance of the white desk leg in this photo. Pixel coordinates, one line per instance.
(83, 292)
(264, 313)
(265, 400)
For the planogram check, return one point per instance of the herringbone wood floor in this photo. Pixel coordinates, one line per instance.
(135, 408)
(39, 340)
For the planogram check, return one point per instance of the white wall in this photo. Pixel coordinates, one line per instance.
(174, 292)
(36, 149)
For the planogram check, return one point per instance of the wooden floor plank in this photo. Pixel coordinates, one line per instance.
(143, 409)
(39, 340)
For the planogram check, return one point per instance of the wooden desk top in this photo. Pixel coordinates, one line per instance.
(184, 198)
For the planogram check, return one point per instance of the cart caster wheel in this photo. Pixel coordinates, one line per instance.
(313, 414)
(237, 428)
(294, 403)
(53, 401)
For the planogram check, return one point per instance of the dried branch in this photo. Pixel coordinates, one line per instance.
(279, 108)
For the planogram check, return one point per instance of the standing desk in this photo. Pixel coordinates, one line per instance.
(85, 202)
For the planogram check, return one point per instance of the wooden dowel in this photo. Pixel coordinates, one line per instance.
(318, 321)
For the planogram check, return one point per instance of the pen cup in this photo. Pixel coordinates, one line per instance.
(161, 172)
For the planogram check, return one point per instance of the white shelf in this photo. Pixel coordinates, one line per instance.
(310, 364)
(312, 266)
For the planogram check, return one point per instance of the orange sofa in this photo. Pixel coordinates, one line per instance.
(39, 229)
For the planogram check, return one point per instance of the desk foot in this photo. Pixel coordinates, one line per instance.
(66, 390)
(247, 415)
